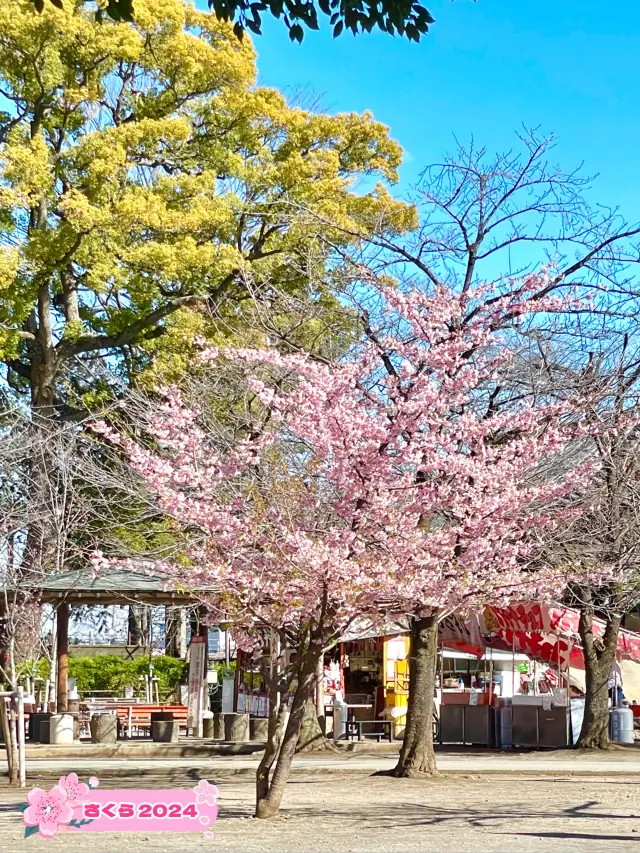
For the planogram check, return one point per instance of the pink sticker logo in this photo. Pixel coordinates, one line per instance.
(72, 805)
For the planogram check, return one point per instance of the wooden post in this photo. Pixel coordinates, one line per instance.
(22, 770)
(62, 645)
(4, 718)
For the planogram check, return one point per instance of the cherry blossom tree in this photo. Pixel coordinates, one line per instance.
(403, 479)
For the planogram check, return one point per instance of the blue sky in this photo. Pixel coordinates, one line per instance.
(485, 69)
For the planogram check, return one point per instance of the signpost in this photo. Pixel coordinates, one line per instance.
(197, 683)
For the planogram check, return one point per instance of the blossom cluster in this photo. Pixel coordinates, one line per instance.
(390, 480)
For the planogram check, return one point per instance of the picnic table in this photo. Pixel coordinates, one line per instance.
(354, 729)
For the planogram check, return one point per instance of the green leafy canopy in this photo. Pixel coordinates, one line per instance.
(403, 17)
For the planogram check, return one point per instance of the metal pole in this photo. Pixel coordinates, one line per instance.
(320, 693)
(513, 689)
(277, 654)
(22, 770)
(490, 676)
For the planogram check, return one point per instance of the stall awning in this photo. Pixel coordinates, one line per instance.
(544, 632)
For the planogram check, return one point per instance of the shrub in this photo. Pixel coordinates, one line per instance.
(107, 673)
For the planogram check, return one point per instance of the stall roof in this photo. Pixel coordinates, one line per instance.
(365, 629)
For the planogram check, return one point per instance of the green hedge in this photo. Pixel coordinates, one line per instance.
(111, 674)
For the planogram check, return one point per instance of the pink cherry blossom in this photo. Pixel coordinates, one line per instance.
(407, 487)
(77, 792)
(206, 793)
(93, 781)
(47, 810)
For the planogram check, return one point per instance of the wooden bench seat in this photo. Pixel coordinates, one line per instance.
(131, 715)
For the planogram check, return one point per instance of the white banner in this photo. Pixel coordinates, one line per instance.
(197, 660)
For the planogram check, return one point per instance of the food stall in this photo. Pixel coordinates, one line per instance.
(505, 677)
(532, 705)
(369, 673)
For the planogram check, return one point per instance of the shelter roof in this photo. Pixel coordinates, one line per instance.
(116, 586)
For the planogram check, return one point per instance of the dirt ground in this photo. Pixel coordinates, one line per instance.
(353, 812)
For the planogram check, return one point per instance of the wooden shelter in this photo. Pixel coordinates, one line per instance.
(107, 587)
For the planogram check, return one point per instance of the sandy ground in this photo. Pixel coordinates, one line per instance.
(353, 812)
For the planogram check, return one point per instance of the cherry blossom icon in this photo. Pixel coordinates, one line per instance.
(48, 810)
(205, 793)
(77, 792)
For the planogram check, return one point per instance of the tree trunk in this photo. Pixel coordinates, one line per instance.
(175, 632)
(277, 716)
(42, 548)
(13, 743)
(417, 757)
(312, 738)
(42, 544)
(26, 624)
(268, 805)
(599, 660)
(138, 625)
(277, 720)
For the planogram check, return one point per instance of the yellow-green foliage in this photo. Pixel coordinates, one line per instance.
(142, 162)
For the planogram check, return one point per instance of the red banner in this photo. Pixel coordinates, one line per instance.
(545, 633)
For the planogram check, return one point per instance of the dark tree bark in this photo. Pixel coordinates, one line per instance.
(138, 625)
(270, 792)
(599, 660)
(40, 554)
(174, 641)
(312, 738)
(277, 721)
(417, 757)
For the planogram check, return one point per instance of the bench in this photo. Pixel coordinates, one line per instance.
(132, 716)
(354, 729)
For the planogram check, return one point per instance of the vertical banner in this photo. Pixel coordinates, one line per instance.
(197, 661)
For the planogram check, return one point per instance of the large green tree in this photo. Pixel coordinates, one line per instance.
(144, 174)
(405, 17)
(148, 188)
